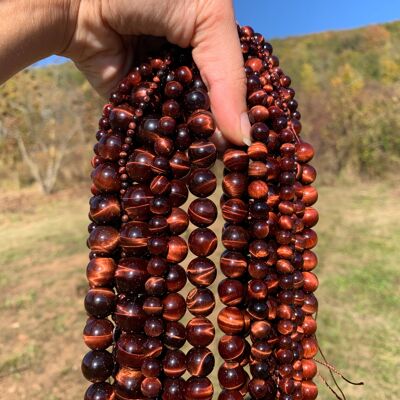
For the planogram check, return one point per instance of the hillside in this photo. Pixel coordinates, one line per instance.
(347, 82)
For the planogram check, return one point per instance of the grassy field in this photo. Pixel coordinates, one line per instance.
(42, 283)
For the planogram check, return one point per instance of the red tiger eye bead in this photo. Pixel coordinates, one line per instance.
(198, 388)
(262, 389)
(97, 366)
(100, 272)
(179, 193)
(310, 217)
(231, 348)
(136, 202)
(131, 275)
(120, 118)
(309, 368)
(98, 333)
(310, 195)
(160, 185)
(201, 272)
(139, 165)
(236, 160)
(310, 347)
(234, 184)
(231, 292)
(104, 209)
(304, 152)
(260, 330)
(202, 182)
(134, 236)
(150, 387)
(173, 389)
(129, 315)
(200, 301)
(310, 282)
(196, 99)
(174, 307)
(233, 264)
(130, 351)
(177, 249)
(231, 375)
(310, 260)
(180, 164)
(174, 335)
(200, 361)
(173, 89)
(103, 239)
(202, 153)
(309, 390)
(178, 221)
(310, 305)
(202, 242)
(151, 367)
(100, 391)
(100, 302)
(258, 151)
(231, 320)
(200, 332)
(309, 325)
(127, 383)
(234, 210)
(310, 238)
(202, 212)
(174, 363)
(153, 327)
(235, 237)
(258, 114)
(201, 123)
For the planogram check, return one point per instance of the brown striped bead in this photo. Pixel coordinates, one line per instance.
(201, 272)
(174, 363)
(234, 184)
(200, 332)
(129, 314)
(105, 178)
(231, 292)
(235, 160)
(257, 151)
(202, 153)
(202, 182)
(234, 210)
(134, 236)
(100, 302)
(177, 249)
(100, 391)
(231, 375)
(127, 383)
(100, 272)
(202, 212)
(201, 123)
(198, 388)
(200, 301)
(231, 320)
(233, 264)
(98, 333)
(97, 366)
(136, 202)
(103, 239)
(231, 348)
(174, 307)
(202, 242)
(200, 361)
(235, 237)
(131, 275)
(178, 221)
(104, 209)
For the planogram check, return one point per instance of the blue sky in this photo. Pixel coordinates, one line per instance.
(299, 17)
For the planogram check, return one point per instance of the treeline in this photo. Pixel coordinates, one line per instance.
(347, 84)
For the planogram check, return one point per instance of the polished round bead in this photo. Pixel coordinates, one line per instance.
(309, 390)
(129, 314)
(309, 369)
(97, 366)
(310, 260)
(235, 237)
(310, 195)
(234, 184)
(310, 217)
(180, 164)
(258, 114)
(120, 118)
(235, 210)
(200, 332)
(230, 395)
(138, 166)
(177, 249)
(202, 242)
(231, 376)
(100, 302)
(201, 123)
(262, 389)
(231, 348)
(178, 221)
(257, 189)
(171, 108)
(259, 249)
(160, 185)
(127, 383)
(236, 160)
(104, 209)
(179, 193)
(257, 289)
(310, 238)
(100, 272)
(98, 333)
(156, 286)
(233, 264)
(202, 212)
(153, 327)
(310, 347)
(157, 245)
(200, 301)
(130, 351)
(174, 307)
(309, 325)
(231, 320)
(200, 361)
(175, 278)
(151, 367)
(231, 292)
(260, 330)
(134, 236)
(100, 391)
(198, 388)
(157, 266)
(103, 239)
(304, 152)
(310, 305)
(310, 282)
(151, 387)
(202, 182)
(174, 335)
(196, 99)
(173, 89)
(202, 153)
(131, 275)
(184, 75)
(174, 363)
(136, 202)
(201, 272)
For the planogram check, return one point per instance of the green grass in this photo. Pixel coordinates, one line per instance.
(42, 281)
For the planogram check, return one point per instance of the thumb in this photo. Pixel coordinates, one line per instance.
(217, 53)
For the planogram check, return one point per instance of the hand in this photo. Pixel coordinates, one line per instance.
(105, 33)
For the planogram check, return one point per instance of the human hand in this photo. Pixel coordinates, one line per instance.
(105, 33)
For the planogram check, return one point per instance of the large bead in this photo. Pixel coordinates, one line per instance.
(106, 178)
(97, 366)
(131, 275)
(98, 333)
(104, 209)
(202, 242)
(200, 332)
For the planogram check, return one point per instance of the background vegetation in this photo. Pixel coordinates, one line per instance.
(348, 86)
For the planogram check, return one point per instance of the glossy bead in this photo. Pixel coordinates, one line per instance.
(236, 160)
(120, 118)
(235, 237)
(174, 307)
(233, 264)
(136, 202)
(234, 210)
(134, 236)
(231, 292)
(129, 314)
(100, 271)
(106, 178)
(310, 238)
(309, 325)
(262, 389)
(97, 366)
(98, 333)
(310, 195)
(309, 390)
(234, 184)
(231, 320)
(202, 182)
(100, 391)
(173, 89)
(259, 249)
(157, 266)
(310, 282)
(202, 242)
(156, 286)
(174, 363)
(160, 185)
(127, 383)
(196, 99)
(231, 376)
(184, 75)
(131, 275)
(231, 348)
(310, 347)
(304, 152)
(260, 330)
(201, 272)
(230, 395)
(153, 327)
(130, 351)
(138, 166)
(310, 217)
(104, 209)
(174, 335)
(200, 301)
(198, 388)
(103, 239)
(310, 305)
(177, 249)
(201, 123)
(202, 153)
(183, 138)
(100, 302)
(150, 387)
(309, 369)
(200, 332)
(257, 289)
(179, 193)
(157, 245)
(175, 278)
(151, 367)
(179, 164)
(310, 260)
(200, 361)
(178, 221)
(202, 212)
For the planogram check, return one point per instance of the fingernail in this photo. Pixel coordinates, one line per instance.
(245, 128)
